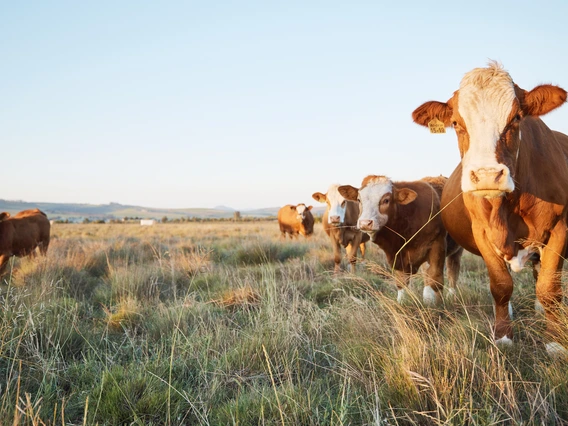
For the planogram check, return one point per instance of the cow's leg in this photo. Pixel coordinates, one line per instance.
(401, 281)
(434, 279)
(32, 253)
(44, 244)
(351, 250)
(548, 285)
(500, 283)
(453, 264)
(363, 249)
(3, 262)
(336, 256)
(501, 286)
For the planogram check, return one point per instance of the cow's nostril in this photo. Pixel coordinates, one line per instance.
(499, 176)
(473, 177)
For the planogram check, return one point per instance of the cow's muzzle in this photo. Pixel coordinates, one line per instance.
(366, 225)
(488, 182)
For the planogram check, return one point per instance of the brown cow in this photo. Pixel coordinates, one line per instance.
(340, 224)
(402, 219)
(21, 234)
(294, 220)
(514, 178)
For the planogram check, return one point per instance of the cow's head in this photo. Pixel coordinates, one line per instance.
(4, 215)
(301, 210)
(336, 205)
(378, 198)
(486, 113)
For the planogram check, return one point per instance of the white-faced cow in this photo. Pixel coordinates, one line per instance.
(294, 220)
(22, 234)
(340, 224)
(402, 219)
(514, 178)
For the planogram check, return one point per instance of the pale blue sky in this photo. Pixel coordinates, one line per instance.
(247, 104)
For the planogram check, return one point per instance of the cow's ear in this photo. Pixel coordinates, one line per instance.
(310, 207)
(349, 192)
(405, 195)
(318, 196)
(4, 215)
(431, 110)
(543, 99)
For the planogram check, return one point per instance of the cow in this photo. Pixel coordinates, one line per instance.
(513, 175)
(340, 224)
(403, 219)
(22, 234)
(294, 220)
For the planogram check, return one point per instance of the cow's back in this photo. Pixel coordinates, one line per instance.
(436, 182)
(287, 219)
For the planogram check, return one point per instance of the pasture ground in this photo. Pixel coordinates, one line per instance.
(226, 324)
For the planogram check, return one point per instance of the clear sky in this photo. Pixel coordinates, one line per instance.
(246, 104)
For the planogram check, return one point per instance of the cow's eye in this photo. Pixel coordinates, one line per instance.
(386, 201)
(518, 117)
(454, 123)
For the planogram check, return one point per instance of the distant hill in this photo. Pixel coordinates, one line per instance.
(78, 212)
(224, 208)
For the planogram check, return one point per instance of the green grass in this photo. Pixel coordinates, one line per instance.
(220, 324)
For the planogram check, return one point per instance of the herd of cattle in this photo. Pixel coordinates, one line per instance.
(507, 201)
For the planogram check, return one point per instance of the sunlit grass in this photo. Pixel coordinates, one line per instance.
(227, 324)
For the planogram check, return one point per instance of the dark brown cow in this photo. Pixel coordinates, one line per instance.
(340, 224)
(514, 178)
(402, 219)
(22, 234)
(294, 220)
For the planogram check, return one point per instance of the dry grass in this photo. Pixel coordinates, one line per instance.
(227, 324)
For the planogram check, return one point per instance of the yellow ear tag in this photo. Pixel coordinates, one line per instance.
(436, 126)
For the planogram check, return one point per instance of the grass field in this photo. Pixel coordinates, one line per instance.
(222, 324)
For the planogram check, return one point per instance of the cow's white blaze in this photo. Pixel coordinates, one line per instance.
(300, 209)
(485, 100)
(370, 196)
(337, 204)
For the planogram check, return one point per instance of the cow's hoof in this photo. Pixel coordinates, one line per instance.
(504, 341)
(556, 350)
(430, 297)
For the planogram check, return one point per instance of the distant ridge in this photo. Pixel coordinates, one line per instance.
(79, 212)
(224, 208)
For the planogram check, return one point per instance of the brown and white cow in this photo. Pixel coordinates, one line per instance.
(22, 234)
(402, 219)
(294, 220)
(514, 178)
(340, 224)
